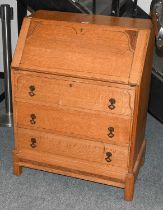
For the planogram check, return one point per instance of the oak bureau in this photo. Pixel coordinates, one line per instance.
(80, 88)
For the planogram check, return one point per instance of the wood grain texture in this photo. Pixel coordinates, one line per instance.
(21, 43)
(68, 44)
(81, 95)
(118, 182)
(129, 187)
(130, 23)
(66, 121)
(17, 168)
(141, 104)
(66, 69)
(72, 147)
(71, 164)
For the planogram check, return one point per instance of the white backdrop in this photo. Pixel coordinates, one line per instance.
(144, 4)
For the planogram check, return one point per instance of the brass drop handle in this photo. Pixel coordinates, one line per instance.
(33, 143)
(33, 119)
(32, 89)
(108, 157)
(111, 132)
(112, 103)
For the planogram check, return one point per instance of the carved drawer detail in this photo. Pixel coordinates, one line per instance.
(74, 94)
(72, 148)
(82, 124)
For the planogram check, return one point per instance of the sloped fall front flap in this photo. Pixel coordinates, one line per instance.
(81, 49)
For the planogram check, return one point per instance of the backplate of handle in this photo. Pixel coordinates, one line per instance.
(112, 103)
(32, 90)
(111, 132)
(33, 119)
(33, 143)
(108, 157)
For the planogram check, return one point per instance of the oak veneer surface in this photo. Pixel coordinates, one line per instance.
(74, 94)
(118, 58)
(73, 147)
(88, 125)
(80, 92)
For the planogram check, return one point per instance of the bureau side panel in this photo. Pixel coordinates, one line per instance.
(13, 82)
(141, 105)
(21, 43)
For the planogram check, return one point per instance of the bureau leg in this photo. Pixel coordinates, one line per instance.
(129, 187)
(143, 158)
(17, 169)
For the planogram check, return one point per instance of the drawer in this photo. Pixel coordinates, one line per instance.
(72, 148)
(74, 94)
(86, 125)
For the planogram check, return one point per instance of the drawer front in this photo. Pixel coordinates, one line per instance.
(87, 125)
(74, 94)
(72, 148)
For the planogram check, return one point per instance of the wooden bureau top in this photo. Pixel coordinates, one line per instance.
(132, 23)
(86, 46)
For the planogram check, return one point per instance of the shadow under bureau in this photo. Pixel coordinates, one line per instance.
(80, 88)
